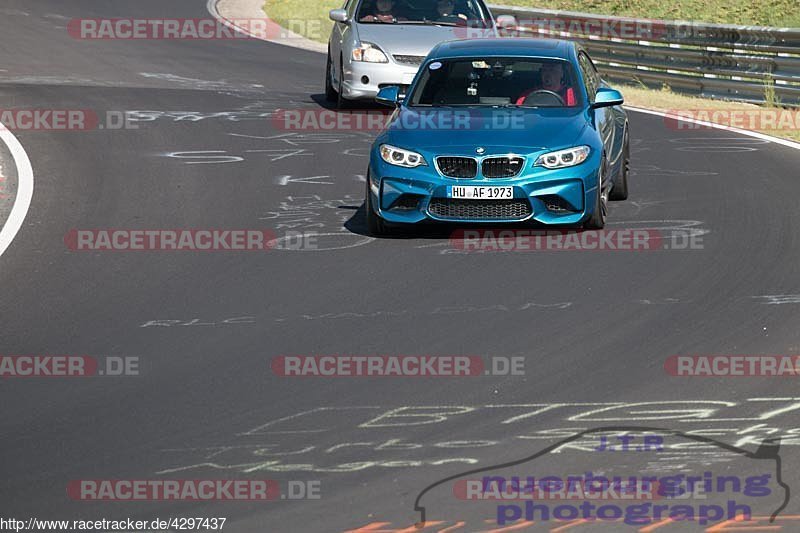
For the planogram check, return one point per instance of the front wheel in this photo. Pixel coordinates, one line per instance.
(620, 190)
(598, 218)
(376, 226)
(341, 101)
(330, 92)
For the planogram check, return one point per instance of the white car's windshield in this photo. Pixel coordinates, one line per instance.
(447, 12)
(494, 81)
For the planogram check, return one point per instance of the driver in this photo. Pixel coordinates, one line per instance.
(383, 12)
(444, 12)
(553, 80)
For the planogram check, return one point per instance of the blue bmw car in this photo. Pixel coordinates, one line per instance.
(500, 131)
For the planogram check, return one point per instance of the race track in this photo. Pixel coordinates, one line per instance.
(594, 327)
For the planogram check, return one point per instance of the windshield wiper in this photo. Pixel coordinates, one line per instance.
(427, 22)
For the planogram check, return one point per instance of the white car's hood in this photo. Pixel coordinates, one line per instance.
(413, 39)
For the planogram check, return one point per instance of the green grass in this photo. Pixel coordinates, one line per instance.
(306, 17)
(751, 12)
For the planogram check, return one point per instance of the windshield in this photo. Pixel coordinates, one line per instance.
(449, 12)
(494, 81)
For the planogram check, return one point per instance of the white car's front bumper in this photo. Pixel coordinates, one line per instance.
(363, 80)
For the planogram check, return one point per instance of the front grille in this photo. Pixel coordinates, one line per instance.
(515, 209)
(409, 60)
(501, 167)
(457, 167)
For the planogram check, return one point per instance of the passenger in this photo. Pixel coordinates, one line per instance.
(553, 80)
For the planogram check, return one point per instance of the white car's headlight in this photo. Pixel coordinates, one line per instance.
(401, 158)
(564, 158)
(369, 53)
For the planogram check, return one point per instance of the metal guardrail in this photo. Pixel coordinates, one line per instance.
(712, 60)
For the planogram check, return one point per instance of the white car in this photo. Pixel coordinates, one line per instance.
(377, 43)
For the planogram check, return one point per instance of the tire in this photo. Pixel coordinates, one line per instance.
(341, 101)
(598, 218)
(620, 190)
(376, 226)
(330, 92)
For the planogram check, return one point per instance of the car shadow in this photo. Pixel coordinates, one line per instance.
(360, 105)
(357, 224)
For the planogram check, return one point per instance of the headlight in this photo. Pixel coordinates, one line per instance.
(400, 157)
(369, 53)
(564, 158)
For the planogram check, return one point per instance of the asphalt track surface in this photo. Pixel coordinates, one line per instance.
(594, 328)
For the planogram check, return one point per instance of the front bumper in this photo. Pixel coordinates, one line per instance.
(377, 75)
(554, 197)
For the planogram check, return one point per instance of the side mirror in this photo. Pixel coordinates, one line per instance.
(606, 97)
(389, 96)
(338, 15)
(506, 22)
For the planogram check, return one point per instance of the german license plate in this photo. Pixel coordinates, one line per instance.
(480, 193)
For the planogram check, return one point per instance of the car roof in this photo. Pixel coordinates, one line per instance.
(551, 48)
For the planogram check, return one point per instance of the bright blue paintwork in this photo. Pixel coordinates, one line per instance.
(546, 130)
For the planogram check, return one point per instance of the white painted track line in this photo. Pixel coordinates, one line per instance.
(24, 189)
(749, 133)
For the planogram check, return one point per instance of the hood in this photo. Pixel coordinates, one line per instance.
(409, 39)
(459, 131)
